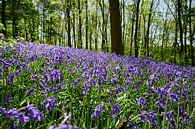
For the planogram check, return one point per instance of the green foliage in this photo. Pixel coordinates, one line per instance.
(1, 27)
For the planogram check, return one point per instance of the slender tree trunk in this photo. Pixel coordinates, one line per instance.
(116, 34)
(191, 35)
(136, 28)
(165, 29)
(25, 25)
(148, 28)
(180, 25)
(175, 43)
(124, 26)
(103, 25)
(144, 37)
(69, 22)
(74, 32)
(185, 43)
(80, 26)
(96, 27)
(14, 18)
(86, 31)
(132, 33)
(90, 35)
(106, 34)
(3, 17)
(43, 25)
(33, 29)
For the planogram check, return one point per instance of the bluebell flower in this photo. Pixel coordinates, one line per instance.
(115, 109)
(15, 127)
(35, 114)
(22, 118)
(2, 110)
(98, 111)
(183, 114)
(142, 101)
(12, 113)
(17, 37)
(171, 118)
(32, 90)
(120, 89)
(59, 87)
(50, 103)
(8, 100)
(150, 117)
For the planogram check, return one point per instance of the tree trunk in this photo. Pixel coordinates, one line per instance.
(175, 43)
(148, 28)
(86, 31)
(80, 27)
(136, 29)
(96, 26)
(3, 17)
(191, 35)
(132, 33)
(124, 26)
(74, 32)
(180, 26)
(14, 29)
(69, 22)
(116, 34)
(103, 24)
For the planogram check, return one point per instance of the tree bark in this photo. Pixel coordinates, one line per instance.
(148, 29)
(80, 26)
(136, 29)
(69, 22)
(96, 26)
(116, 34)
(132, 33)
(3, 17)
(103, 24)
(86, 31)
(74, 32)
(191, 35)
(180, 25)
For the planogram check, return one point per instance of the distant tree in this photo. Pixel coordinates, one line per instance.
(116, 34)
(3, 17)
(14, 18)
(69, 22)
(80, 26)
(179, 11)
(191, 33)
(136, 28)
(87, 26)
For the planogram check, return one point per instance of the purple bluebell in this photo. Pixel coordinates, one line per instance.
(15, 127)
(22, 118)
(152, 118)
(32, 90)
(115, 109)
(8, 100)
(142, 101)
(183, 114)
(171, 118)
(2, 110)
(98, 111)
(149, 116)
(120, 89)
(12, 113)
(35, 114)
(50, 103)
(59, 87)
